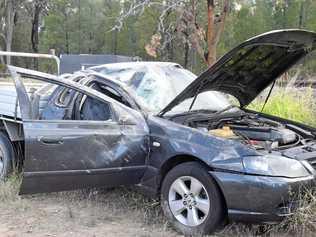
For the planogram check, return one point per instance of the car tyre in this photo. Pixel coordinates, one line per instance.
(6, 156)
(191, 200)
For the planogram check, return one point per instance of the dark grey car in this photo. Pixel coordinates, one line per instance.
(207, 159)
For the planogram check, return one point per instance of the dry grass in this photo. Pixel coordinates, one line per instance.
(114, 212)
(9, 189)
(294, 104)
(117, 212)
(302, 223)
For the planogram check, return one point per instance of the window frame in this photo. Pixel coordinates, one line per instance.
(77, 111)
(57, 101)
(76, 78)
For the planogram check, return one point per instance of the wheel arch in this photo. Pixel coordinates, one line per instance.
(14, 131)
(179, 159)
(183, 158)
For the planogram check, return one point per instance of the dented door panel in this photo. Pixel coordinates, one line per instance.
(79, 155)
(72, 154)
(75, 145)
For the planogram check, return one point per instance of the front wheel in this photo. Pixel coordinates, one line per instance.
(191, 200)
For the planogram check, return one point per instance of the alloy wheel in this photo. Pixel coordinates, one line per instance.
(189, 201)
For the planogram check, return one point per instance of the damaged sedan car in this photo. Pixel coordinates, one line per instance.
(172, 135)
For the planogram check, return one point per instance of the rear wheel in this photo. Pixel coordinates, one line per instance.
(191, 200)
(6, 156)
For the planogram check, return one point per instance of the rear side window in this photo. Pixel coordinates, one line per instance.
(48, 101)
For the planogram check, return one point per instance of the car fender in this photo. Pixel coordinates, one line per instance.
(170, 141)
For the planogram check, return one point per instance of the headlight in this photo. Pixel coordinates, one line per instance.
(273, 165)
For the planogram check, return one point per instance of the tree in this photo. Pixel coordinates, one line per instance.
(185, 23)
(190, 32)
(2, 34)
(59, 30)
(215, 27)
(35, 9)
(9, 19)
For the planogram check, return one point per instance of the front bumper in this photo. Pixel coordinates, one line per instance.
(261, 199)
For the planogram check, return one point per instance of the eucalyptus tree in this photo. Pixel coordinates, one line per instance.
(8, 17)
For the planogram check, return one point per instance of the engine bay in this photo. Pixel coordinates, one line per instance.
(249, 128)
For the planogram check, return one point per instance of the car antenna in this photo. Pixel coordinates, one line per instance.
(268, 96)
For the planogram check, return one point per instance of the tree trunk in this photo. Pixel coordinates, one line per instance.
(35, 25)
(10, 12)
(34, 33)
(91, 29)
(186, 54)
(4, 40)
(66, 29)
(211, 54)
(1, 57)
(114, 42)
(79, 26)
(301, 16)
(215, 28)
(171, 51)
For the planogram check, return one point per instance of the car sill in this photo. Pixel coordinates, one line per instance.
(83, 172)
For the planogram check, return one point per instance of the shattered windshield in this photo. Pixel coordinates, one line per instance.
(158, 85)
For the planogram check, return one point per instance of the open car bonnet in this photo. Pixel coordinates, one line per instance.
(252, 66)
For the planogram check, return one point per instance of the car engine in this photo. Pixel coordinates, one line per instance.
(257, 133)
(251, 129)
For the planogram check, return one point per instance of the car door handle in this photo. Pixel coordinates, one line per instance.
(51, 140)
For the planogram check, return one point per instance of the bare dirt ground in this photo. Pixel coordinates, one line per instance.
(112, 212)
(116, 212)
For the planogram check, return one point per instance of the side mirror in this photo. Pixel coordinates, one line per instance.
(126, 120)
(127, 116)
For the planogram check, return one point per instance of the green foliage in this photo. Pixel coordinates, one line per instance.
(293, 105)
(86, 26)
(2, 68)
